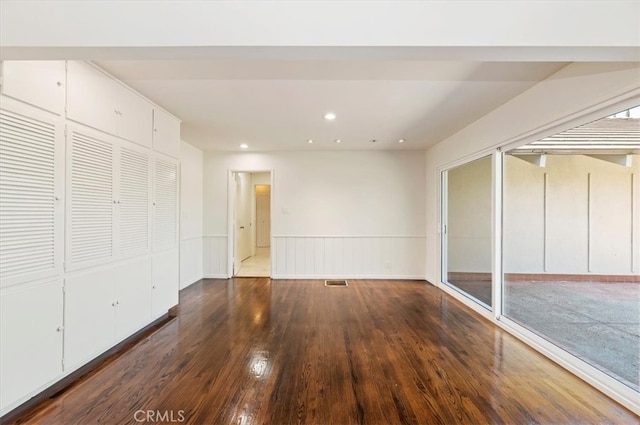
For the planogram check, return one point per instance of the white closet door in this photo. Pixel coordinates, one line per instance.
(91, 202)
(30, 338)
(30, 209)
(134, 201)
(133, 296)
(165, 212)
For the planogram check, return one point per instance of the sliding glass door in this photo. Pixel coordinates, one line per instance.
(467, 216)
(560, 217)
(571, 254)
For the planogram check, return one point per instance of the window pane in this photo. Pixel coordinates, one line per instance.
(571, 250)
(468, 229)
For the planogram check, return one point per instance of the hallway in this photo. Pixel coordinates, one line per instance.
(257, 266)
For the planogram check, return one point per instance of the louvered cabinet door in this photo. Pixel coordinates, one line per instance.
(165, 204)
(134, 201)
(91, 198)
(31, 212)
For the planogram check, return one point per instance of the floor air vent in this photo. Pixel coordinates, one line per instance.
(335, 283)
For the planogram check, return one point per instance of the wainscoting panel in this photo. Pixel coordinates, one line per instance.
(191, 261)
(215, 256)
(300, 257)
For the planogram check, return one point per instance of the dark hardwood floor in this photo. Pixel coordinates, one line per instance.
(251, 351)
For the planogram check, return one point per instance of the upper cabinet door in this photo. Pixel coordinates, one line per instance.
(39, 83)
(91, 97)
(135, 117)
(166, 134)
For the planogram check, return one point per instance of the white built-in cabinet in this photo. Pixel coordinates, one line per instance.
(88, 220)
(31, 337)
(165, 236)
(38, 83)
(165, 133)
(109, 202)
(104, 305)
(97, 100)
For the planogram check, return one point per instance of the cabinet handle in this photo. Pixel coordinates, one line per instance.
(153, 287)
(117, 302)
(113, 304)
(59, 83)
(59, 329)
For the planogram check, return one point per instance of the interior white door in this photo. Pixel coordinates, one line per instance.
(263, 216)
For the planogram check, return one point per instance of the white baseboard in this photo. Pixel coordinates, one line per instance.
(215, 276)
(356, 277)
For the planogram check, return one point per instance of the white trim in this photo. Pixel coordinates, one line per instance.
(214, 276)
(466, 300)
(231, 201)
(348, 276)
(351, 236)
(191, 238)
(466, 159)
(497, 182)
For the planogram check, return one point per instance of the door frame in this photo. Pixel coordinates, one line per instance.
(231, 216)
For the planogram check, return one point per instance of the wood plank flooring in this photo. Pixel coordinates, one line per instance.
(251, 351)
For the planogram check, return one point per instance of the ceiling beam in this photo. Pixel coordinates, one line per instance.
(539, 160)
(543, 31)
(624, 160)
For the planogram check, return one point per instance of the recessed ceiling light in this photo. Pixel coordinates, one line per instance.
(338, 140)
(401, 141)
(330, 116)
(309, 141)
(244, 146)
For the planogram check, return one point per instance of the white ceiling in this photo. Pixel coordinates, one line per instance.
(277, 104)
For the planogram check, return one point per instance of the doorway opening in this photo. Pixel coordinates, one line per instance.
(251, 223)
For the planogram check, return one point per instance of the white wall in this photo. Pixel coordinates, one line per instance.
(335, 213)
(191, 164)
(553, 104)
